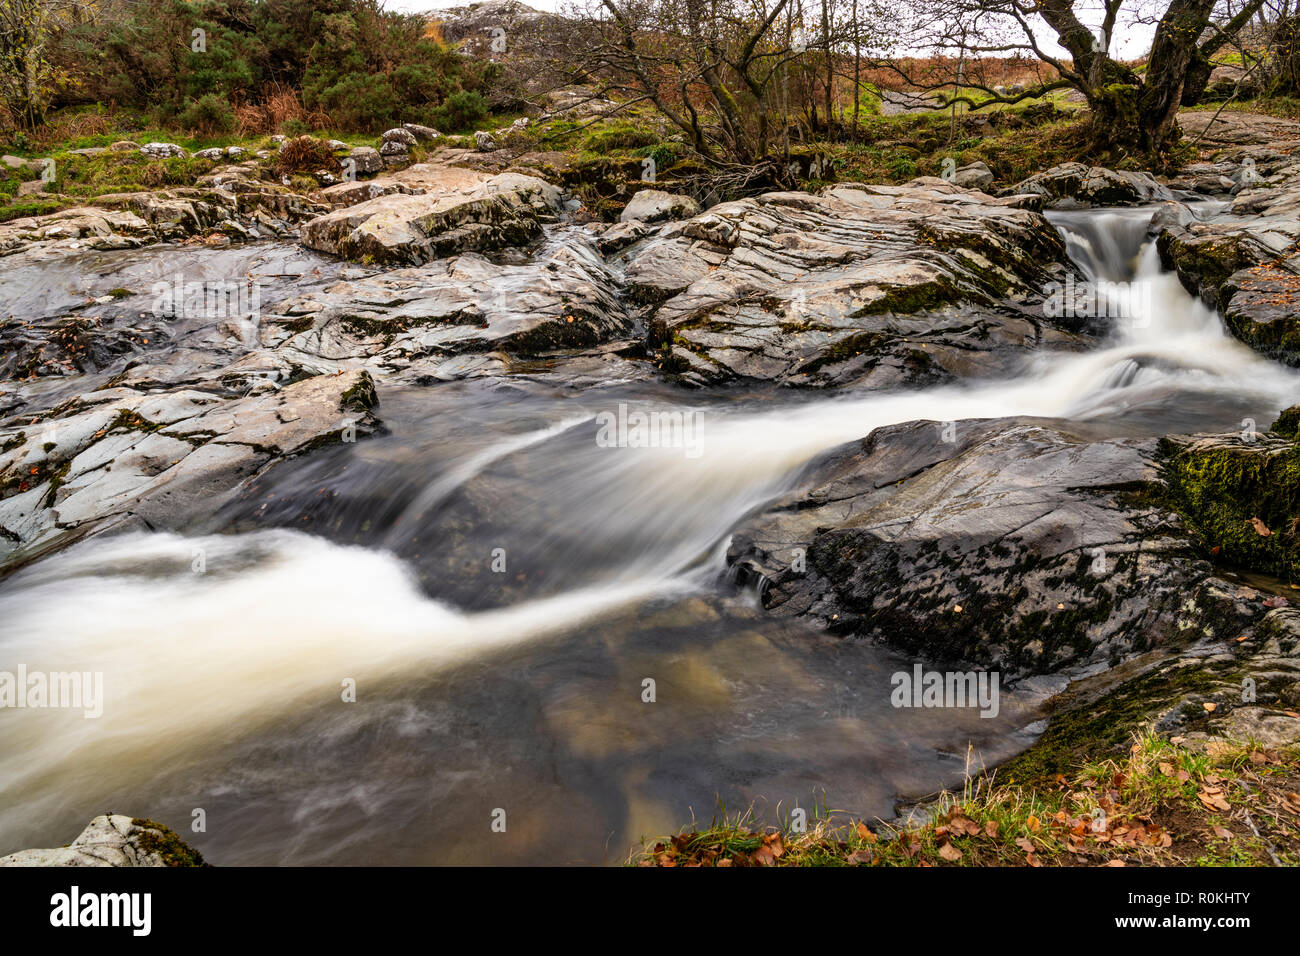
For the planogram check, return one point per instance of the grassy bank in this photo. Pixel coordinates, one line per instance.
(1168, 802)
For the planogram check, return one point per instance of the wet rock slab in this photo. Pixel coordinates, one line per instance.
(1021, 544)
(862, 285)
(121, 455)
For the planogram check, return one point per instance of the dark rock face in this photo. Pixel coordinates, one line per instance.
(1074, 185)
(862, 285)
(1034, 528)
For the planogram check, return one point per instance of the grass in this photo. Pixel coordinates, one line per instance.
(1166, 803)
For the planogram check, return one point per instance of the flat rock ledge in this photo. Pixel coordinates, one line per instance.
(862, 285)
(114, 840)
(121, 456)
(403, 229)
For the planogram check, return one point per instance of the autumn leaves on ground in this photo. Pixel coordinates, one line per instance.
(1177, 802)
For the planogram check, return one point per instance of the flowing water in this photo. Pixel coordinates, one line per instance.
(521, 689)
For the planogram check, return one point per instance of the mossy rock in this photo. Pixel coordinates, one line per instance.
(162, 840)
(1288, 423)
(1240, 497)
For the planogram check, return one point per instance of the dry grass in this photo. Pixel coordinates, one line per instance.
(280, 106)
(305, 154)
(74, 126)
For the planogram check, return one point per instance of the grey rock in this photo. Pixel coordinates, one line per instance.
(422, 134)
(506, 210)
(1074, 185)
(161, 150)
(655, 205)
(367, 159)
(865, 285)
(400, 135)
(974, 176)
(115, 840)
(1010, 546)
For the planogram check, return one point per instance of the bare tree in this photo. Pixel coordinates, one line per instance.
(1131, 109)
(726, 73)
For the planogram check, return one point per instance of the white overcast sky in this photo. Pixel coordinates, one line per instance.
(1130, 40)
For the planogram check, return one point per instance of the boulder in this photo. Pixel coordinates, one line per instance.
(366, 159)
(1074, 185)
(506, 210)
(114, 840)
(400, 135)
(484, 142)
(422, 134)
(1012, 544)
(161, 150)
(974, 176)
(655, 205)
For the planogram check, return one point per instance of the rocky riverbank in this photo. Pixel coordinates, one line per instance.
(1153, 575)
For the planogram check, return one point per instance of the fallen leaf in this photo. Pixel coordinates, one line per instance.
(1213, 801)
(991, 828)
(1222, 833)
(1033, 824)
(950, 853)
(1025, 844)
(1210, 706)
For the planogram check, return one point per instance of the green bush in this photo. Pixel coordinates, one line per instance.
(460, 111)
(209, 114)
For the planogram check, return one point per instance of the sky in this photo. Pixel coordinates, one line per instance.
(1129, 42)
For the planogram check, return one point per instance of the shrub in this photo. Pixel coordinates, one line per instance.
(460, 111)
(208, 114)
(305, 154)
